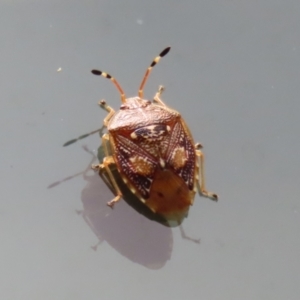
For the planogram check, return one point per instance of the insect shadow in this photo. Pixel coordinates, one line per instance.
(138, 236)
(131, 234)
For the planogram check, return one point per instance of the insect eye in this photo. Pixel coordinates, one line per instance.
(146, 103)
(123, 106)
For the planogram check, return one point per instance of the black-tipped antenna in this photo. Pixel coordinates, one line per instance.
(115, 82)
(154, 62)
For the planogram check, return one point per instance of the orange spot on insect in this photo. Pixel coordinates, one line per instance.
(179, 158)
(141, 166)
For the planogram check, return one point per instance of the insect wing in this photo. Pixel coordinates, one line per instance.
(136, 164)
(181, 154)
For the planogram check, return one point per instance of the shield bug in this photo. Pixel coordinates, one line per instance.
(153, 151)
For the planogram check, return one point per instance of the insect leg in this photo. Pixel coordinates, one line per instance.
(108, 160)
(156, 97)
(110, 111)
(186, 237)
(82, 137)
(201, 181)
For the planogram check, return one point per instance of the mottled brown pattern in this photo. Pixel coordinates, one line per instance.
(153, 150)
(179, 158)
(136, 116)
(140, 160)
(141, 165)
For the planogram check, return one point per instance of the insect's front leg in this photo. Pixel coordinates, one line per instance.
(157, 96)
(103, 105)
(108, 160)
(201, 181)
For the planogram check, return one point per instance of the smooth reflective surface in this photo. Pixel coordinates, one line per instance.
(233, 73)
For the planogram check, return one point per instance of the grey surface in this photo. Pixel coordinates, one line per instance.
(233, 73)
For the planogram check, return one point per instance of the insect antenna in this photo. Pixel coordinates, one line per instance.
(154, 62)
(115, 82)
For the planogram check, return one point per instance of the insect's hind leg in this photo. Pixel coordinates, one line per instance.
(111, 112)
(108, 160)
(201, 181)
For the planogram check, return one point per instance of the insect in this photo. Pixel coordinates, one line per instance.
(153, 151)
